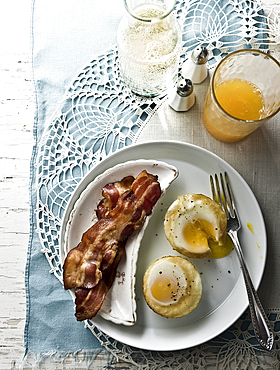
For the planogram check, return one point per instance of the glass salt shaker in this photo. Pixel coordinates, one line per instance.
(182, 98)
(149, 45)
(195, 67)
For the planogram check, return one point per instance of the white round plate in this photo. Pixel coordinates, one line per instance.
(224, 296)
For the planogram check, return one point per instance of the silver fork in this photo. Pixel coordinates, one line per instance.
(222, 193)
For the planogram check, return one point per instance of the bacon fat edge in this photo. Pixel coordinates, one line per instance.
(91, 266)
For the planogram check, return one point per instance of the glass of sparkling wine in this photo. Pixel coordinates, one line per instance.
(149, 45)
(244, 93)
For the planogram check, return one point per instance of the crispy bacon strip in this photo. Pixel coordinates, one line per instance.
(89, 301)
(82, 267)
(111, 193)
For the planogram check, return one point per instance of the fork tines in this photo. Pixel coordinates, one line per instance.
(222, 193)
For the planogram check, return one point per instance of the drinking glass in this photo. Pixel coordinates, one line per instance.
(256, 69)
(149, 44)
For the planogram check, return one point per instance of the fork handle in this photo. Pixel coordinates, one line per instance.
(260, 322)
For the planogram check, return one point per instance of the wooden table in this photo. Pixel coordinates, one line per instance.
(16, 122)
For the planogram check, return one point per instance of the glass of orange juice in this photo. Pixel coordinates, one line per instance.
(244, 93)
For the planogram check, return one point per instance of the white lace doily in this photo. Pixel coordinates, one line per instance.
(235, 349)
(98, 116)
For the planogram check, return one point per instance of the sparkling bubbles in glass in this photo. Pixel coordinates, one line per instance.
(149, 45)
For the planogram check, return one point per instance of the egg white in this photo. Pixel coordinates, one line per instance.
(202, 217)
(185, 293)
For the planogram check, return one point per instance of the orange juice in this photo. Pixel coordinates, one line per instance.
(243, 94)
(240, 98)
(243, 101)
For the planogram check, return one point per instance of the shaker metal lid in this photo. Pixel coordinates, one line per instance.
(200, 55)
(184, 87)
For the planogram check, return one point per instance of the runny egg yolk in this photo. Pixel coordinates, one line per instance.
(196, 226)
(166, 288)
(200, 233)
(197, 232)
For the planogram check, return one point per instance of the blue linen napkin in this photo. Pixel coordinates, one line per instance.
(65, 36)
(51, 326)
(57, 30)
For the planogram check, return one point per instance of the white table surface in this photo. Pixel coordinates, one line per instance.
(16, 139)
(16, 122)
